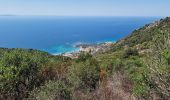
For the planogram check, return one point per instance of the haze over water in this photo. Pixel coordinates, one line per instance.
(60, 34)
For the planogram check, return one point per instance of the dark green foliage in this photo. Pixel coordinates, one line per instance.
(52, 90)
(166, 55)
(130, 52)
(19, 71)
(139, 75)
(85, 75)
(83, 56)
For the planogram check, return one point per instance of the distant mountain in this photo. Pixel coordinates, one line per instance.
(8, 15)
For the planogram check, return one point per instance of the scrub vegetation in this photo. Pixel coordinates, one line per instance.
(137, 67)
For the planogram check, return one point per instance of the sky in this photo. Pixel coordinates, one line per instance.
(85, 7)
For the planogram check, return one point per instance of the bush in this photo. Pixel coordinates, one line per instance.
(85, 75)
(166, 55)
(19, 71)
(130, 52)
(159, 65)
(52, 90)
(83, 56)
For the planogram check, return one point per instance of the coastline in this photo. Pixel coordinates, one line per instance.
(89, 48)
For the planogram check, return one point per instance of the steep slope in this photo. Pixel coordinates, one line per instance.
(144, 57)
(145, 34)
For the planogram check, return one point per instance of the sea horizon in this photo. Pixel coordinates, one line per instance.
(59, 34)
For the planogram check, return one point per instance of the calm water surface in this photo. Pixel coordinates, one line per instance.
(60, 34)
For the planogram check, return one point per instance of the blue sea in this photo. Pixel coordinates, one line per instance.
(57, 35)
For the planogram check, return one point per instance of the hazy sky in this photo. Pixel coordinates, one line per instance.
(86, 7)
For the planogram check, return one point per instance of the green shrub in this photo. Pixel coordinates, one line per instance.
(159, 65)
(118, 65)
(130, 52)
(139, 74)
(52, 90)
(83, 56)
(19, 71)
(141, 81)
(166, 55)
(85, 75)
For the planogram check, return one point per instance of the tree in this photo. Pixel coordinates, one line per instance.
(85, 75)
(19, 71)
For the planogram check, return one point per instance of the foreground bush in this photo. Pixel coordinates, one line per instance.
(19, 72)
(159, 66)
(130, 52)
(85, 75)
(52, 90)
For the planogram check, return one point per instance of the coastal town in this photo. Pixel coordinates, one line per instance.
(89, 48)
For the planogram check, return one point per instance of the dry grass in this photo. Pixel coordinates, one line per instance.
(117, 87)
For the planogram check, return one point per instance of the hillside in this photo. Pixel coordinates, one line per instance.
(143, 56)
(135, 68)
(145, 35)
